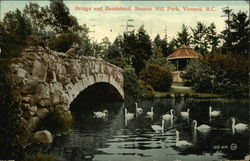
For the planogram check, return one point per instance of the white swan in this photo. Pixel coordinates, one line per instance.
(138, 110)
(239, 126)
(158, 128)
(201, 128)
(181, 143)
(151, 113)
(128, 115)
(213, 113)
(101, 114)
(185, 114)
(168, 116)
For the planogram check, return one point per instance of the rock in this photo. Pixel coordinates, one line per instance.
(32, 110)
(42, 112)
(42, 91)
(44, 137)
(61, 107)
(26, 99)
(41, 104)
(39, 72)
(33, 122)
(21, 72)
(55, 98)
(26, 106)
(30, 87)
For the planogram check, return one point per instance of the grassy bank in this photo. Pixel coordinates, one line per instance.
(179, 90)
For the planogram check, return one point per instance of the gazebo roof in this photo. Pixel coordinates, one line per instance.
(184, 52)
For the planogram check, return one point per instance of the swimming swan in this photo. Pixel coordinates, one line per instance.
(158, 128)
(151, 113)
(101, 114)
(181, 143)
(138, 110)
(128, 115)
(201, 128)
(185, 114)
(168, 116)
(213, 113)
(239, 126)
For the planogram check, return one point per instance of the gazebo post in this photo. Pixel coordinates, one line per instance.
(177, 65)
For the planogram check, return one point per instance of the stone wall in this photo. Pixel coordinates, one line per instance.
(51, 81)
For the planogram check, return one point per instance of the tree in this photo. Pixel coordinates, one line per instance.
(240, 30)
(200, 38)
(157, 76)
(161, 44)
(213, 38)
(183, 37)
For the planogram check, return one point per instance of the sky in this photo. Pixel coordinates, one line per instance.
(169, 20)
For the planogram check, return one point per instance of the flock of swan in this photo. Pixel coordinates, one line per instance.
(169, 117)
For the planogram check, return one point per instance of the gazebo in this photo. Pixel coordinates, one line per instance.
(180, 59)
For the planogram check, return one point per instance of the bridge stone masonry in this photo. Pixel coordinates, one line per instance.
(51, 80)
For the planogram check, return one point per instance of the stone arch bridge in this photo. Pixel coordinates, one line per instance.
(51, 81)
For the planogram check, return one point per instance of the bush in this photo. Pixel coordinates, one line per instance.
(63, 42)
(157, 76)
(229, 73)
(132, 89)
(58, 121)
(40, 157)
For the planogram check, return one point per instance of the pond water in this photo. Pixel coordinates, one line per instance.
(118, 138)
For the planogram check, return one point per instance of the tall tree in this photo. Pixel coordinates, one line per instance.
(183, 37)
(160, 44)
(240, 30)
(200, 38)
(213, 37)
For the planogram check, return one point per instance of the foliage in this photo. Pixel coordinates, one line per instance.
(236, 34)
(63, 42)
(57, 121)
(10, 111)
(132, 89)
(161, 45)
(183, 37)
(229, 73)
(157, 76)
(136, 48)
(40, 157)
(13, 30)
(157, 58)
(199, 38)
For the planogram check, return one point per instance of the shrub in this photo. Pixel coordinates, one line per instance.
(40, 157)
(58, 121)
(229, 73)
(157, 76)
(132, 89)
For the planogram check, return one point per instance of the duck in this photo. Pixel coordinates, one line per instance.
(100, 114)
(213, 113)
(138, 109)
(181, 143)
(158, 128)
(151, 113)
(239, 126)
(201, 128)
(128, 115)
(185, 114)
(168, 116)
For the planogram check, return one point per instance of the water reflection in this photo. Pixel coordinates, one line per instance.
(121, 137)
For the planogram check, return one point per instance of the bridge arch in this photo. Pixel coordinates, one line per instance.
(52, 80)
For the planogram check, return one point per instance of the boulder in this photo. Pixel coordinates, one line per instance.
(44, 137)
(30, 87)
(33, 110)
(55, 98)
(33, 122)
(21, 72)
(42, 112)
(39, 72)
